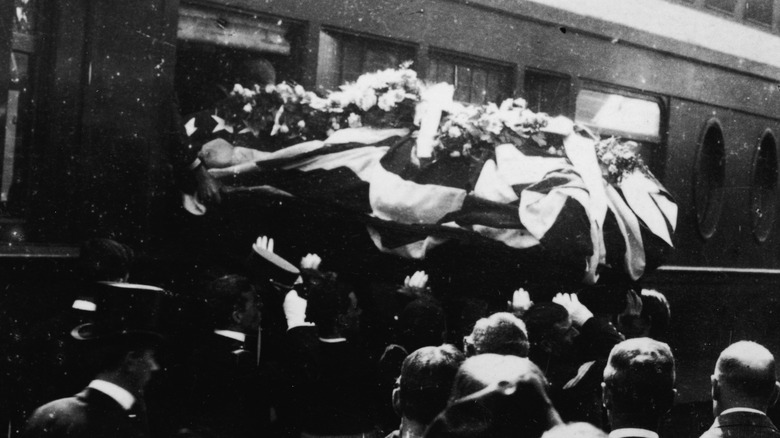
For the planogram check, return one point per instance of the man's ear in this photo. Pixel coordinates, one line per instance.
(547, 346)
(715, 387)
(397, 401)
(236, 316)
(775, 394)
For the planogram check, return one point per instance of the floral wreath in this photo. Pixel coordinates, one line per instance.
(286, 114)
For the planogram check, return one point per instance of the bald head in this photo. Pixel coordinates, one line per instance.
(744, 377)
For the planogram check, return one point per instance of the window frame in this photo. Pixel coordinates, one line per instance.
(364, 39)
(474, 61)
(711, 220)
(762, 230)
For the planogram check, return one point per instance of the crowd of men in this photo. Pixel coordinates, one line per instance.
(276, 349)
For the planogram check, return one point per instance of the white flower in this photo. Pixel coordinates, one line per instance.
(367, 100)
(520, 103)
(299, 90)
(270, 88)
(354, 121)
(454, 132)
(238, 89)
(284, 129)
(317, 102)
(302, 124)
(608, 157)
(386, 102)
(248, 108)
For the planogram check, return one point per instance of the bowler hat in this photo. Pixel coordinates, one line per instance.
(123, 310)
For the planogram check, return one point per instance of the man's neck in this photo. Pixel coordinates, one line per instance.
(623, 421)
(411, 429)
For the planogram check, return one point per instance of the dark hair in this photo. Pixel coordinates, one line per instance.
(105, 260)
(640, 376)
(496, 396)
(421, 323)
(500, 333)
(426, 380)
(327, 300)
(656, 309)
(226, 295)
(541, 318)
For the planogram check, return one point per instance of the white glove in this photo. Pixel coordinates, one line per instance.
(418, 280)
(311, 261)
(521, 302)
(295, 310)
(263, 243)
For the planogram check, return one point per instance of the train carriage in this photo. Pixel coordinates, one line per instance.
(696, 84)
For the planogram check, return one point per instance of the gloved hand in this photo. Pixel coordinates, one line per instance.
(263, 243)
(521, 302)
(294, 310)
(311, 261)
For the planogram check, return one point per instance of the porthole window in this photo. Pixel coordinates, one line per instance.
(709, 175)
(763, 190)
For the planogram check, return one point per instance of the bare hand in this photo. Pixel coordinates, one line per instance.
(633, 304)
(578, 312)
(209, 189)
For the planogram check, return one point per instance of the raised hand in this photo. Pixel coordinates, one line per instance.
(521, 302)
(578, 312)
(311, 261)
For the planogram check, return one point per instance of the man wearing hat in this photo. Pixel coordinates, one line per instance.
(122, 338)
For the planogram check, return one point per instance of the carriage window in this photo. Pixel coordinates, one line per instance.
(217, 48)
(343, 58)
(547, 92)
(708, 178)
(18, 109)
(619, 115)
(722, 5)
(759, 11)
(475, 81)
(763, 203)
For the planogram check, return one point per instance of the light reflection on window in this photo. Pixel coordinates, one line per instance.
(623, 116)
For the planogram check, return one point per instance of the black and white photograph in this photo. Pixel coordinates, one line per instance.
(389, 218)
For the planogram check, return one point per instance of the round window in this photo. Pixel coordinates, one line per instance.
(763, 190)
(709, 175)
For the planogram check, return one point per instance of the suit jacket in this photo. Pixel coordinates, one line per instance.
(227, 396)
(742, 425)
(89, 414)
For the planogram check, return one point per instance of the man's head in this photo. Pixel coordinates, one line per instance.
(550, 329)
(639, 382)
(500, 333)
(421, 323)
(332, 306)
(744, 377)
(496, 396)
(234, 304)
(425, 382)
(105, 260)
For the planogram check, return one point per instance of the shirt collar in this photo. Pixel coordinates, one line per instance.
(116, 392)
(333, 340)
(632, 432)
(238, 336)
(751, 410)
